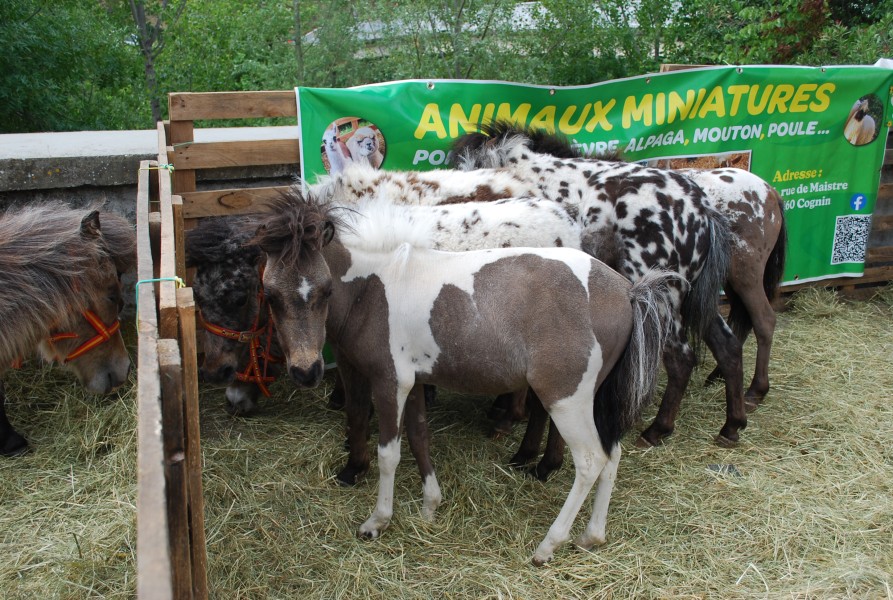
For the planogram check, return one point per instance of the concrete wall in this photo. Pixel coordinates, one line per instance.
(81, 168)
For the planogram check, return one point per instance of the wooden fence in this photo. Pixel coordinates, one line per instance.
(171, 546)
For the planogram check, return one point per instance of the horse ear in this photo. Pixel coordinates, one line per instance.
(90, 225)
(328, 232)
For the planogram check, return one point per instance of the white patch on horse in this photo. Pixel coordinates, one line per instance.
(413, 279)
(304, 289)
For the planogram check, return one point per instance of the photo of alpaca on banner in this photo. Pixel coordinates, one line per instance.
(861, 124)
(351, 139)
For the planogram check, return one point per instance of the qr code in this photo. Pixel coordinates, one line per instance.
(850, 239)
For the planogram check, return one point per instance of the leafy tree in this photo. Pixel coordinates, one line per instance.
(64, 66)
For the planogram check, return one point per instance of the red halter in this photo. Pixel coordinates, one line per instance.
(103, 334)
(253, 373)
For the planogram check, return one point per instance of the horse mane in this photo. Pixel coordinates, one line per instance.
(496, 142)
(295, 225)
(120, 240)
(48, 272)
(220, 239)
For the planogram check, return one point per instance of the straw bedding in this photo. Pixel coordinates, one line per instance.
(801, 508)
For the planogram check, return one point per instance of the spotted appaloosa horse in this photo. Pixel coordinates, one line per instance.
(239, 348)
(60, 294)
(587, 342)
(634, 218)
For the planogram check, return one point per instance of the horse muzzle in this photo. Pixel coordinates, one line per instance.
(307, 378)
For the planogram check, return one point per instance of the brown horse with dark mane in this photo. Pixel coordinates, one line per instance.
(60, 294)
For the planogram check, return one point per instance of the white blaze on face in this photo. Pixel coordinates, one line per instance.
(304, 289)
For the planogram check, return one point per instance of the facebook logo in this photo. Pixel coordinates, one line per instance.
(858, 201)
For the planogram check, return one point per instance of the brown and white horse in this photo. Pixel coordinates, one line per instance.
(60, 293)
(239, 350)
(584, 338)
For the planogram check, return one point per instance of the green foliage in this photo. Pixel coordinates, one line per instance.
(70, 65)
(64, 66)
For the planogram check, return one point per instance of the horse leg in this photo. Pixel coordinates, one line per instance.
(529, 448)
(11, 443)
(500, 406)
(517, 402)
(727, 350)
(763, 319)
(679, 361)
(419, 439)
(336, 397)
(594, 535)
(389, 403)
(553, 456)
(358, 403)
(575, 422)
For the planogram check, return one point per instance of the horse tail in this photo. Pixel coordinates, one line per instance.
(631, 383)
(699, 305)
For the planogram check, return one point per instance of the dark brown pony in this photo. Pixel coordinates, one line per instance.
(60, 294)
(587, 342)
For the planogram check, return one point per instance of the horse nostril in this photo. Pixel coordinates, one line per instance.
(306, 377)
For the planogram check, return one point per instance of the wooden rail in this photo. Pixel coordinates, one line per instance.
(171, 547)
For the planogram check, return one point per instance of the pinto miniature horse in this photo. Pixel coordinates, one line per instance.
(584, 338)
(227, 278)
(60, 294)
(636, 218)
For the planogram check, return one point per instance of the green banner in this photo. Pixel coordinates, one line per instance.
(817, 134)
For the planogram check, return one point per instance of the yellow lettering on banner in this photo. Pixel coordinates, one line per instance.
(637, 112)
(715, 104)
(660, 109)
(755, 108)
(518, 117)
(544, 119)
(823, 97)
(737, 91)
(468, 122)
(564, 124)
(800, 102)
(780, 98)
(430, 122)
(600, 116)
(678, 106)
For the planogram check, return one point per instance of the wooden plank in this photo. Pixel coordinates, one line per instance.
(190, 106)
(173, 435)
(186, 309)
(179, 236)
(179, 132)
(882, 223)
(153, 578)
(209, 155)
(882, 253)
(167, 303)
(213, 203)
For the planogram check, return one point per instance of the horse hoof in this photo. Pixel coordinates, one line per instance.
(725, 442)
(539, 561)
(644, 443)
(15, 445)
(349, 476)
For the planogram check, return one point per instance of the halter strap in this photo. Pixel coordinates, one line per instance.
(253, 373)
(103, 334)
